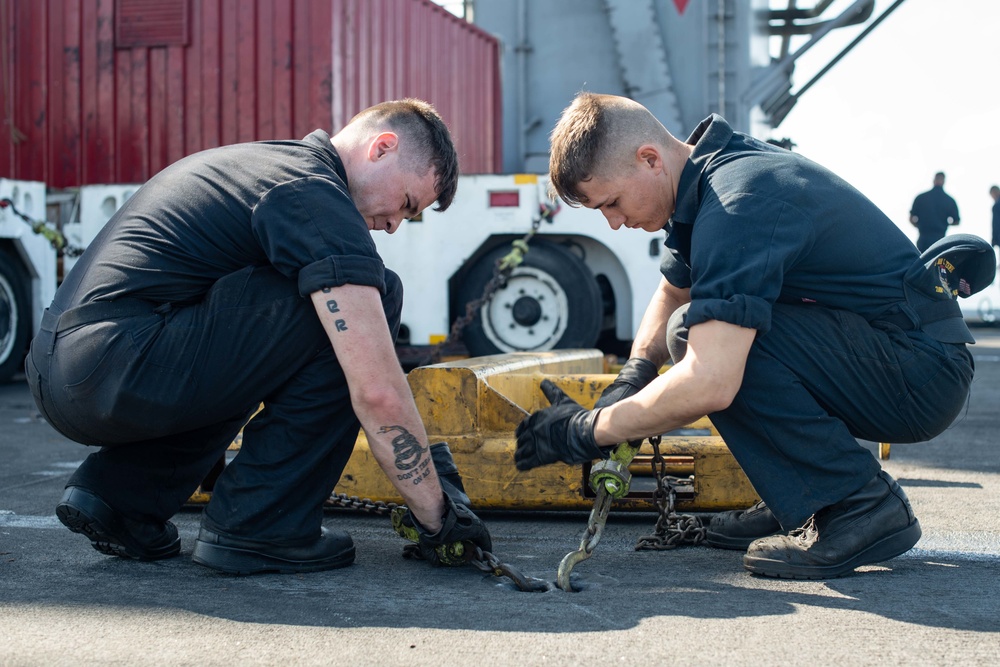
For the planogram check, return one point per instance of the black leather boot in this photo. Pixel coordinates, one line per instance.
(112, 533)
(738, 528)
(235, 555)
(871, 525)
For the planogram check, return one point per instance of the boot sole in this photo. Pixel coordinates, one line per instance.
(105, 540)
(888, 547)
(232, 560)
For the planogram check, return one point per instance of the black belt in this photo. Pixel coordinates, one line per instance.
(98, 311)
(932, 312)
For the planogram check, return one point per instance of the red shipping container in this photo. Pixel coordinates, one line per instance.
(112, 91)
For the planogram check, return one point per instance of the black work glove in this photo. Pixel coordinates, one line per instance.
(563, 432)
(634, 375)
(451, 480)
(458, 524)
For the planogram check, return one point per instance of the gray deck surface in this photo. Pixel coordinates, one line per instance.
(63, 603)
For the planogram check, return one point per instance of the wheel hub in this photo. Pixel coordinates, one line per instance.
(529, 313)
(526, 311)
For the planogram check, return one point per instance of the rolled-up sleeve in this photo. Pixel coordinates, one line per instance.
(311, 232)
(745, 311)
(337, 271)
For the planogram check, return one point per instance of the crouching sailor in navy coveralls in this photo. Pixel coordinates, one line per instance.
(240, 275)
(797, 316)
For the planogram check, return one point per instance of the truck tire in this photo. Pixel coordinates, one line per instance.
(15, 317)
(551, 301)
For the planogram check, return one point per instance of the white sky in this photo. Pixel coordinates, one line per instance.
(920, 94)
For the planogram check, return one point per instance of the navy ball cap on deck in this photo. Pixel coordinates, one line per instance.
(956, 266)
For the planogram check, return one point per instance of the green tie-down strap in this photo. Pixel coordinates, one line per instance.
(612, 474)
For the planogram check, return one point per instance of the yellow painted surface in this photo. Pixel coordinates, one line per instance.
(476, 404)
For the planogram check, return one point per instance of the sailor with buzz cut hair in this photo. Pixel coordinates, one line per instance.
(797, 316)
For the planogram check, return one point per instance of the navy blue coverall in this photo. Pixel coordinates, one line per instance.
(192, 307)
(768, 240)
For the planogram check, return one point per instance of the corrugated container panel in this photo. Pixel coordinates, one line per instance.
(79, 108)
(393, 48)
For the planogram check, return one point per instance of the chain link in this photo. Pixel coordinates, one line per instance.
(672, 530)
(344, 501)
(53, 236)
(484, 561)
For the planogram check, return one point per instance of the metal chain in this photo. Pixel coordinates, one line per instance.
(53, 236)
(672, 530)
(501, 272)
(486, 562)
(344, 501)
(483, 561)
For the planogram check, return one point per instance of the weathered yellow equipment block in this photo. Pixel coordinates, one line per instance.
(475, 404)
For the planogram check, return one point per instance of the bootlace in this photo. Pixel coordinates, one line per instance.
(809, 525)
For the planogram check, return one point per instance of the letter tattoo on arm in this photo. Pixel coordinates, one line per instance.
(410, 459)
(332, 306)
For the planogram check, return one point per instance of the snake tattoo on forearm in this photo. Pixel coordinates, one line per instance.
(409, 455)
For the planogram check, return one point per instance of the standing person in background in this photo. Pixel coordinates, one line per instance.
(932, 212)
(995, 193)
